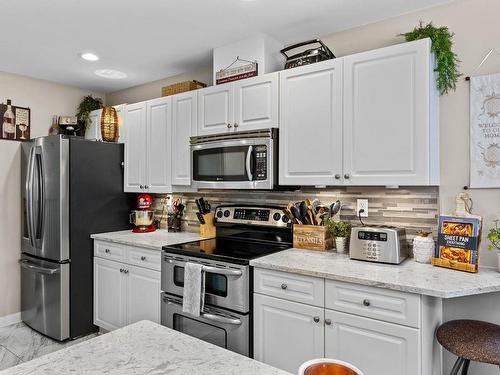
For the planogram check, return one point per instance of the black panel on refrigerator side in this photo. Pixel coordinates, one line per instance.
(97, 204)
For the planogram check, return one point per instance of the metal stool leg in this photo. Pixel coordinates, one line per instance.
(465, 369)
(456, 367)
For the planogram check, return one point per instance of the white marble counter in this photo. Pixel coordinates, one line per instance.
(143, 348)
(409, 276)
(154, 240)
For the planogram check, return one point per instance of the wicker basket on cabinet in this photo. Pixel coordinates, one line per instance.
(177, 88)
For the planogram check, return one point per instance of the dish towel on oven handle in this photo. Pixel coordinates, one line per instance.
(193, 299)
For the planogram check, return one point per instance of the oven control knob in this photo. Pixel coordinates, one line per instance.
(227, 213)
(219, 214)
(285, 219)
(276, 216)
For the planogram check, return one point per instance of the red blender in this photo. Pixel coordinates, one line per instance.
(143, 217)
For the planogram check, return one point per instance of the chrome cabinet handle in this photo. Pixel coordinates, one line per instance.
(146, 186)
(284, 286)
(337, 176)
(107, 251)
(328, 322)
(366, 302)
(229, 126)
(125, 271)
(316, 319)
(236, 125)
(143, 258)
(121, 270)
(347, 176)
(141, 186)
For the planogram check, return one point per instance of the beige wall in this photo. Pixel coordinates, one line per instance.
(45, 100)
(474, 24)
(152, 90)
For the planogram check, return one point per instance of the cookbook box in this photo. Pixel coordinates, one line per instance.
(458, 243)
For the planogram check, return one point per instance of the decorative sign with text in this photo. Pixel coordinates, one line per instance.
(485, 131)
(236, 73)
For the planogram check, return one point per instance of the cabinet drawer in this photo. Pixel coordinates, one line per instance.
(109, 250)
(389, 305)
(297, 288)
(144, 257)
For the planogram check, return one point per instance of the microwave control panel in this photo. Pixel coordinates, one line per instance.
(261, 162)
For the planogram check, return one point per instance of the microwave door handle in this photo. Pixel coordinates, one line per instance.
(220, 319)
(249, 163)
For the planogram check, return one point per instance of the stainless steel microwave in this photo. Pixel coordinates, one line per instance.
(240, 160)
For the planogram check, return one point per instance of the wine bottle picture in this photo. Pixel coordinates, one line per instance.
(9, 123)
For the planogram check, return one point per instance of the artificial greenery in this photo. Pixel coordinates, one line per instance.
(338, 228)
(446, 60)
(494, 237)
(87, 105)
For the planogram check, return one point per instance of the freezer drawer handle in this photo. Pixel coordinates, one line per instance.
(27, 264)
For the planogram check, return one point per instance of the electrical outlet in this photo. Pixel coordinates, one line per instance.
(362, 204)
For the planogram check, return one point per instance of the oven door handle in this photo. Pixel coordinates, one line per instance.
(248, 164)
(221, 271)
(221, 319)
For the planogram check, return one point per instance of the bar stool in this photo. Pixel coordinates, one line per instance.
(325, 366)
(470, 340)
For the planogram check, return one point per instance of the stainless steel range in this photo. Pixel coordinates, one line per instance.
(243, 233)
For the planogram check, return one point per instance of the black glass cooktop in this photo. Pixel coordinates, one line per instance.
(238, 250)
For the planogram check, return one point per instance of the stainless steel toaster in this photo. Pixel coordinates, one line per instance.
(381, 244)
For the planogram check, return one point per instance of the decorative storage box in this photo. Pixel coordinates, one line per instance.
(312, 237)
(177, 88)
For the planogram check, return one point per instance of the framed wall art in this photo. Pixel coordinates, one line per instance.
(15, 122)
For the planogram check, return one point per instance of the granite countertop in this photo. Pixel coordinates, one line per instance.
(143, 348)
(153, 240)
(409, 276)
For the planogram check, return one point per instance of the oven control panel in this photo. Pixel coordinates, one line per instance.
(269, 216)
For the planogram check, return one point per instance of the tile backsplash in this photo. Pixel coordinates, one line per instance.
(414, 208)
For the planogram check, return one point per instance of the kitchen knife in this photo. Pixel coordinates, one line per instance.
(202, 204)
(200, 217)
(199, 205)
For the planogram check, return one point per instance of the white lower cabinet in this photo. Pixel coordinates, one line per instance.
(286, 334)
(124, 293)
(352, 328)
(375, 347)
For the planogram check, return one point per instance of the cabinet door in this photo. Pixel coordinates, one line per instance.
(215, 109)
(183, 127)
(109, 294)
(135, 148)
(387, 114)
(93, 130)
(143, 294)
(159, 132)
(256, 103)
(120, 111)
(373, 346)
(286, 333)
(311, 124)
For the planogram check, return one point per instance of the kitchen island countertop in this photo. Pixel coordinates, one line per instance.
(408, 276)
(143, 348)
(153, 240)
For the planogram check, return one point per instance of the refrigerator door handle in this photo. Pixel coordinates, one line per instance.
(27, 264)
(40, 199)
(29, 196)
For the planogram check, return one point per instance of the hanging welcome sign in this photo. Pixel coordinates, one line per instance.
(485, 131)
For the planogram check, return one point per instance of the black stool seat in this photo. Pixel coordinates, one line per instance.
(472, 340)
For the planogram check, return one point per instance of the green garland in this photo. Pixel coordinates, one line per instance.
(446, 60)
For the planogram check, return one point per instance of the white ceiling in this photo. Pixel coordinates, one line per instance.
(153, 39)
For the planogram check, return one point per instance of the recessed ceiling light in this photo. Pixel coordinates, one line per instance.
(89, 56)
(110, 74)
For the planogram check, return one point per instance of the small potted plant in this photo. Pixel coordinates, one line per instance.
(87, 105)
(341, 231)
(494, 237)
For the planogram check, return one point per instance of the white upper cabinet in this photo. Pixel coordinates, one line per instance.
(390, 116)
(184, 123)
(135, 148)
(159, 131)
(248, 104)
(215, 109)
(256, 103)
(311, 124)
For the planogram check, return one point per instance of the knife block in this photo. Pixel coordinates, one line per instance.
(208, 230)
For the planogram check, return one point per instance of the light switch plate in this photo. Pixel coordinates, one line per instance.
(362, 204)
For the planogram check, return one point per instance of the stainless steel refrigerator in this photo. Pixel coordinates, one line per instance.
(70, 188)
